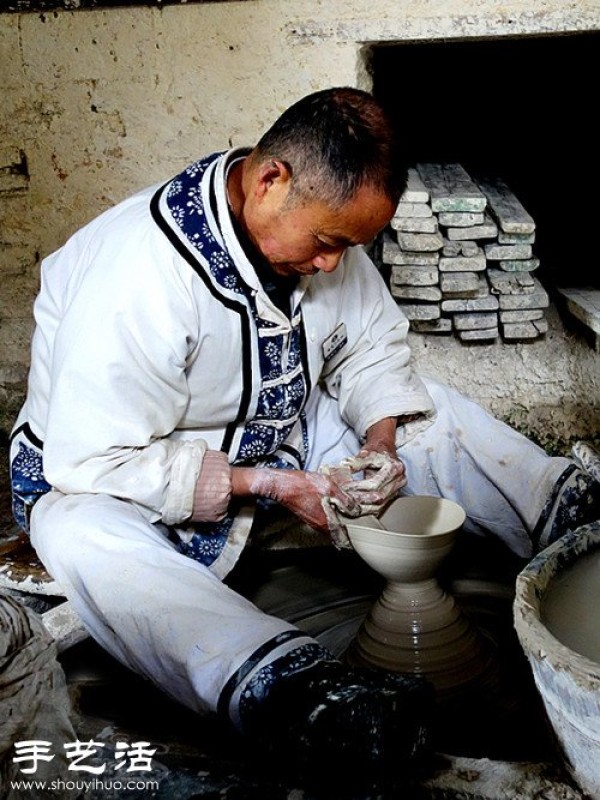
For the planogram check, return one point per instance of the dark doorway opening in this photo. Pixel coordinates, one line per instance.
(524, 108)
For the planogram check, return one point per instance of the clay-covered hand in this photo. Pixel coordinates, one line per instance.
(384, 477)
(341, 476)
(213, 488)
(308, 495)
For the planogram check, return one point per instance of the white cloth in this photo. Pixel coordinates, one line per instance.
(34, 702)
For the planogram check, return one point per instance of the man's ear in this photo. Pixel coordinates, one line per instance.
(273, 174)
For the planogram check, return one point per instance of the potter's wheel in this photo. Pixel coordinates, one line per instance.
(327, 594)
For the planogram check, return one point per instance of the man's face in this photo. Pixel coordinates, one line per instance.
(298, 238)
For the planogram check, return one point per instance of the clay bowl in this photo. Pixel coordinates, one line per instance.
(555, 615)
(410, 540)
(415, 625)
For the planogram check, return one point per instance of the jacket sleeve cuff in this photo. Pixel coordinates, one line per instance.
(213, 489)
(185, 469)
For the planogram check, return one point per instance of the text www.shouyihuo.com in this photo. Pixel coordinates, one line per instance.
(79, 785)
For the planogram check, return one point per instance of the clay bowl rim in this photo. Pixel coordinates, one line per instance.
(352, 522)
(535, 638)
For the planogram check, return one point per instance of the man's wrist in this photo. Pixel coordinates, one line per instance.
(241, 481)
(381, 436)
(259, 482)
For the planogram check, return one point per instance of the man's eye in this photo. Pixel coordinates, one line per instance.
(326, 245)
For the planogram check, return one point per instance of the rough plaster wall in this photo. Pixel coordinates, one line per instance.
(97, 104)
(550, 388)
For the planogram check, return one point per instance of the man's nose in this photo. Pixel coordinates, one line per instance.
(327, 262)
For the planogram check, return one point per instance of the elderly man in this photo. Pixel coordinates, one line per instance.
(202, 351)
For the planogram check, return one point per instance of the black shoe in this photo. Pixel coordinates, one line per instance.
(347, 731)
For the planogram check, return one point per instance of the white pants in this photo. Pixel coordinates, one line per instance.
(170, 619)
(159, 612)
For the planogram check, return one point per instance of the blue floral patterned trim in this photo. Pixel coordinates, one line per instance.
(251, 662)
(576, 503)
(284, 385)
(256, 690)
(28, 483)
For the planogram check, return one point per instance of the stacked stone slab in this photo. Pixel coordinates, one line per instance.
(460, 249)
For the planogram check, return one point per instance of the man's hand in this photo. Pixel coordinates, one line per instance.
(305, 494)
(384, 477)
(384, 473)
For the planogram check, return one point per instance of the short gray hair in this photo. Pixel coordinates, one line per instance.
(333, 142)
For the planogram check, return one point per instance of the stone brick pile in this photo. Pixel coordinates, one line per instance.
(460, 248)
